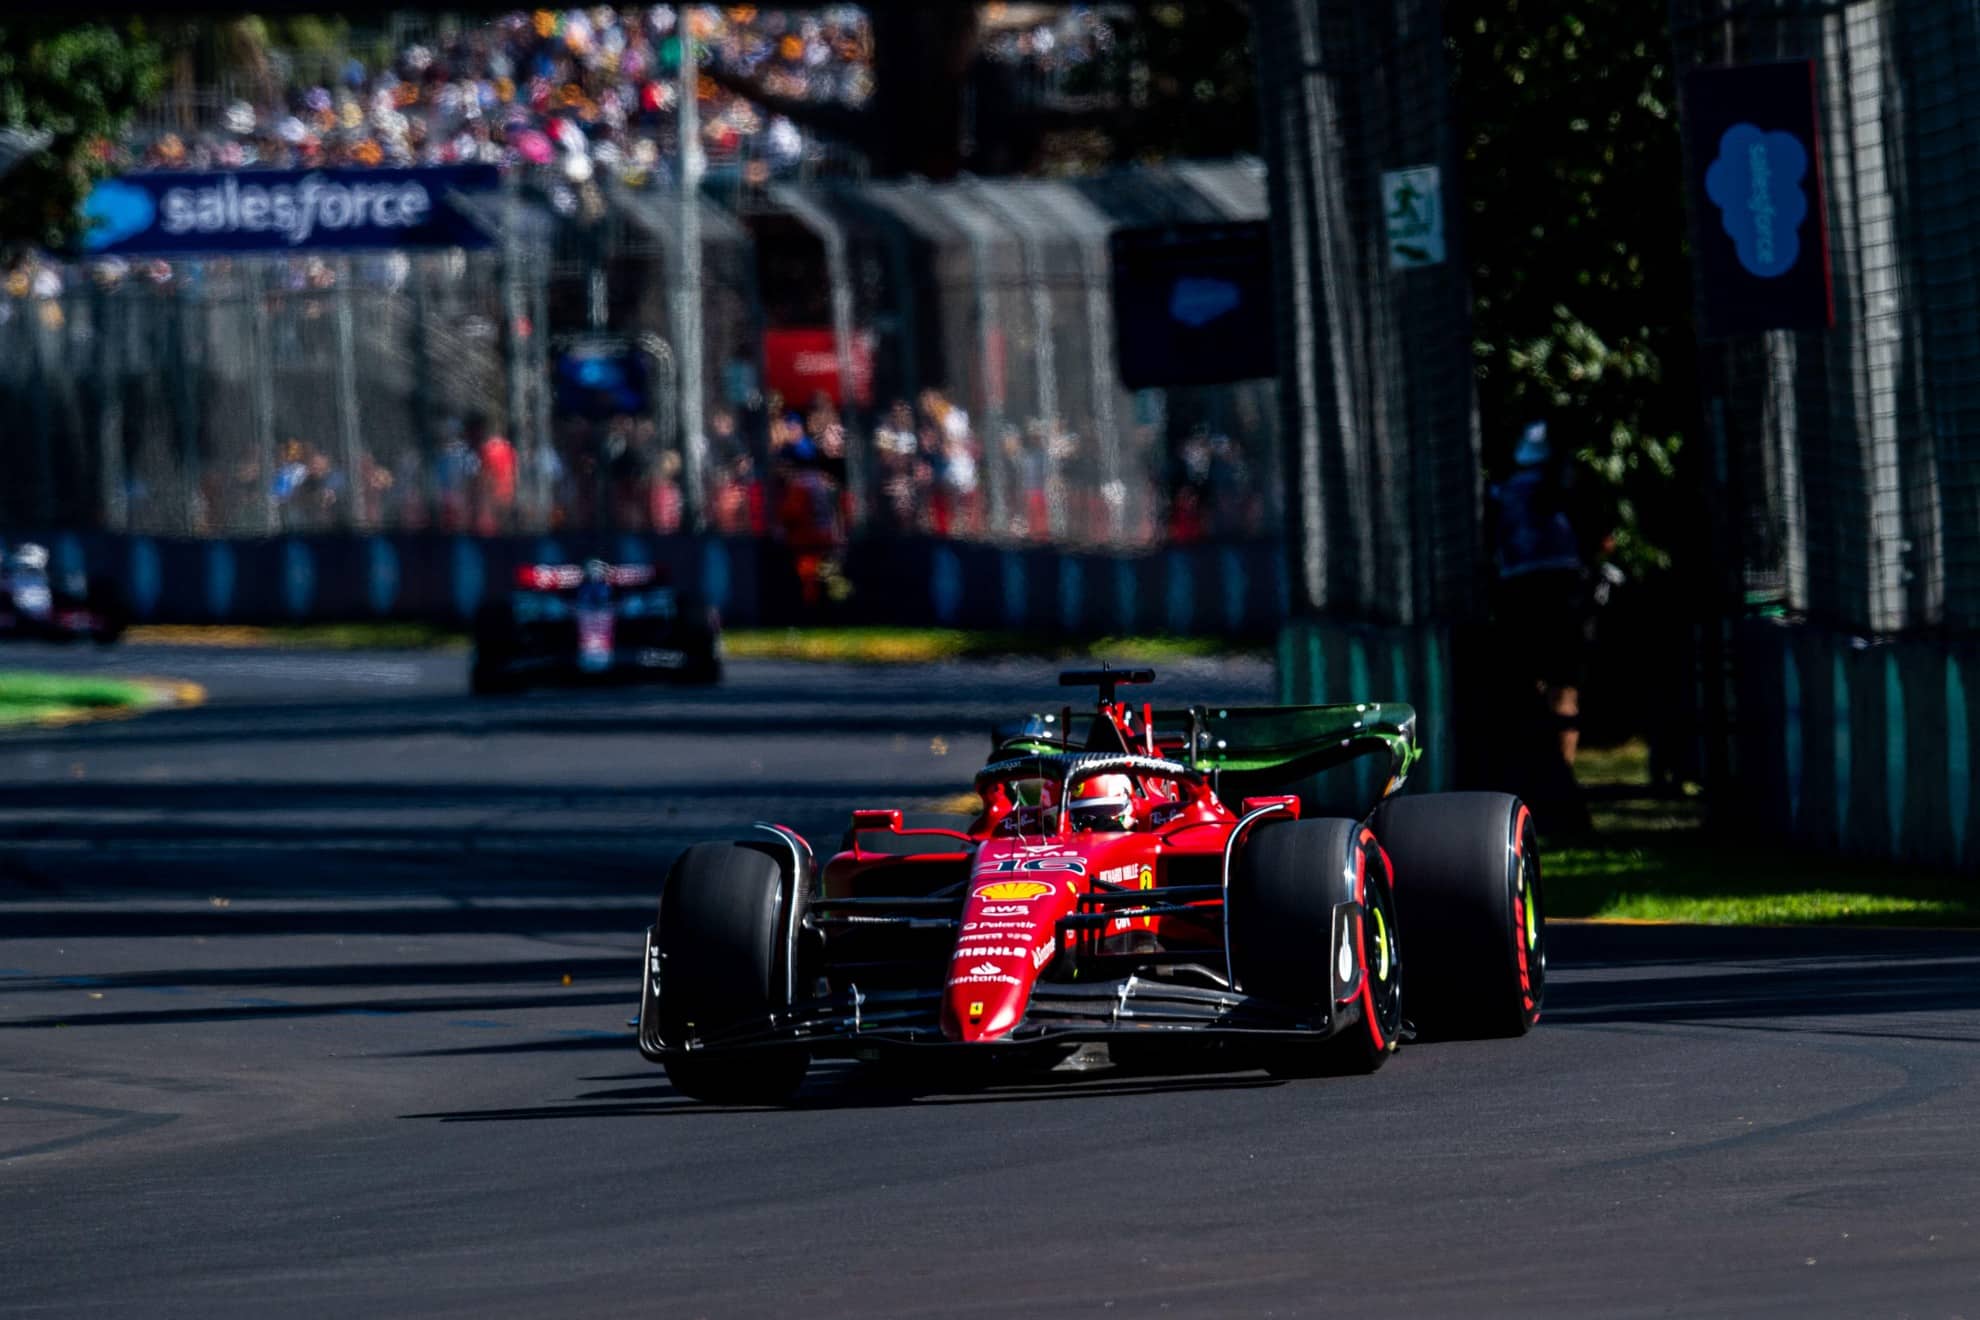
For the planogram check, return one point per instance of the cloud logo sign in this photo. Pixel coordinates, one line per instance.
(115, 211)
(1756, 184)
(1196, 302)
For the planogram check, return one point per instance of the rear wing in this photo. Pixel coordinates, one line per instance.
(1248, 751)
(567, 577)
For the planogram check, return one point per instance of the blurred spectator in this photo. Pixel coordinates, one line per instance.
(495, 478)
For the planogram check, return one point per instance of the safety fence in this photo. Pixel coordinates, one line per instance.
(1380, 423)
(1853, 452)
(1846, 452)
(1232, 590)
(868, 359)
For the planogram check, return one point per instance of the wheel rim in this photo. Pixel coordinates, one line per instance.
(1529, 924)
(1381, 954)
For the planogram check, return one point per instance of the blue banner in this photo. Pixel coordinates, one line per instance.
(283, 211)
(1759, 234)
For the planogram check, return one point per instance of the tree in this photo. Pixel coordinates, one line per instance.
(1575, 226)
(79, 83)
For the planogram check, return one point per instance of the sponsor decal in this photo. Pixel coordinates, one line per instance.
(976, 1008)
(1040, 954)
(981, 978)
(992, 951)
(1010, 891)
(1006, 909)
(995, 925)
(1075, 865)
(1141, 875)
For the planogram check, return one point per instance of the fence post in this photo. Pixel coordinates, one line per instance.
(688, 319)
(111, 487)
(347, 395)
(262, 383)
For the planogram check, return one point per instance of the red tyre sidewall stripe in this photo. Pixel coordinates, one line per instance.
(1366, 841)
(1519, 908)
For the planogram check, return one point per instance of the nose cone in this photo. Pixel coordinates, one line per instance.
(1005, 940)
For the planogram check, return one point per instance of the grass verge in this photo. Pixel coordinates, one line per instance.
(838, 645)
(305, 636)
(1651, 859)
(30, 698)
(928, 645)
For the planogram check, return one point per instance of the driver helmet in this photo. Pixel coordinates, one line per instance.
(1104, 802)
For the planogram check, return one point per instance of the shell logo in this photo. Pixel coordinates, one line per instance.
(1013, 891)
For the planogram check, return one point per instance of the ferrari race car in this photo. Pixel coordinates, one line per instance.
(572, 623)
(1179, 882)
(36, 605)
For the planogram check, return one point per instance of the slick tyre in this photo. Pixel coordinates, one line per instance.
(106, 602)
(1285, 883)
(1467, 877)
(725, 934)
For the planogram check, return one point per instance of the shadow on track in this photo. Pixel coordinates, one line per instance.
(850, 1088)
(1714, 975)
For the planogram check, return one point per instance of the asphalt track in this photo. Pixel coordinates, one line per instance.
(313, 1001)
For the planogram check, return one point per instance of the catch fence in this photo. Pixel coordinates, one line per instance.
(1853, 453)
(929, 359)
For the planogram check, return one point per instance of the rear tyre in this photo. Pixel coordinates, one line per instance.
(1285, 883)
(106, 602)
(724, 937)
(488, 673)
(1467, 872)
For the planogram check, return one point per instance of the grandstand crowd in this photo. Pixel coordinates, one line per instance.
(590, 92)
(587, 90)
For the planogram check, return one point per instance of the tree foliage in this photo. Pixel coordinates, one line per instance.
(80, 82)
(1575, 229)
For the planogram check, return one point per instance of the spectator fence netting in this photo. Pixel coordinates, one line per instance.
(972, 323)
(1381, 433)
(1853, 454)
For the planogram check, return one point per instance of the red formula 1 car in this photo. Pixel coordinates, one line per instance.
(1154, 881)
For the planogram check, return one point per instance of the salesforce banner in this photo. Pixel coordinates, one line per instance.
(1759, 237)
(283, 211)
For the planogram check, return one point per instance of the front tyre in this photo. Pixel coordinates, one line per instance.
(1286, 882)
(1467, 875)
(725, 939)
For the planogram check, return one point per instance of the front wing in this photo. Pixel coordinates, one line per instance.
(856, 1023)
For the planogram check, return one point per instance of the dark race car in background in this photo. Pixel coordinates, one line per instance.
(37, 605)
(595, 622)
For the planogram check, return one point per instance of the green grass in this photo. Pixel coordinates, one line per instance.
(925, 645)
(307, 636)
(30, 698)
(1652, 859)
(842, 645)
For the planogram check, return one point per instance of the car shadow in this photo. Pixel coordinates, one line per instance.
(851, 1088)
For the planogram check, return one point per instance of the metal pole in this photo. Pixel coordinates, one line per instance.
(688, 315)
(347, 395)
(513, 316)
(539, 339)
(261, 313)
